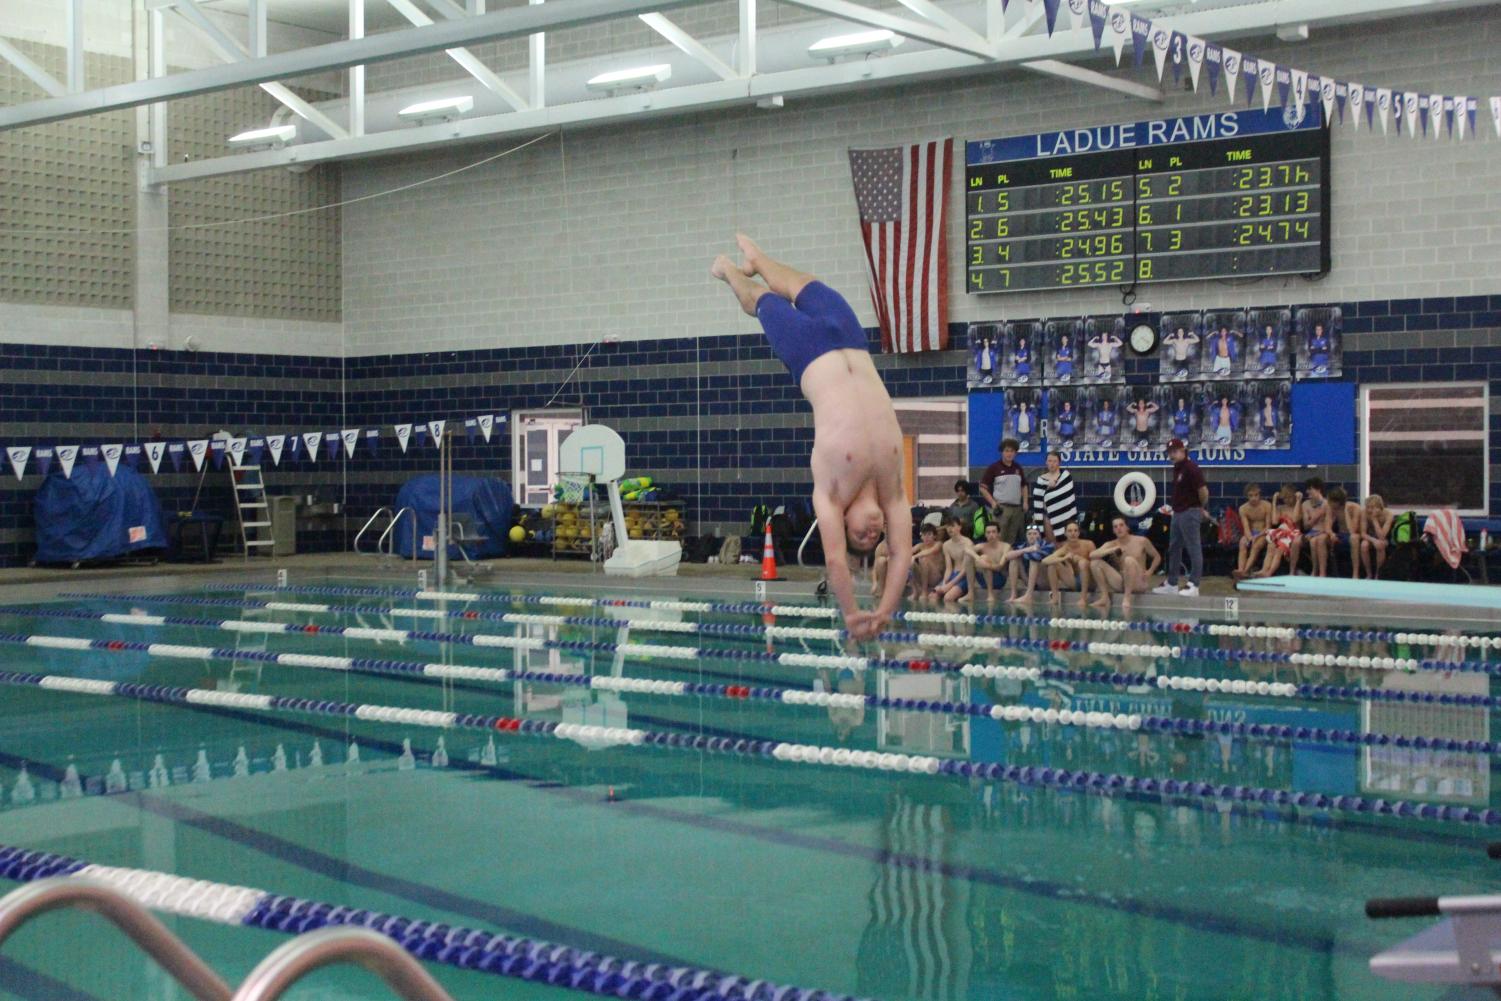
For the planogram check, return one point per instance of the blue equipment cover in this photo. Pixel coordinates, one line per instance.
(482, 506)
(96, 516)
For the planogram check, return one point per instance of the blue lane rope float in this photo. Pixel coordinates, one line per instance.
(824, 612)
(973, 643)
(594, 736)
(1261, 733)
(463, 948)
(1307, 691)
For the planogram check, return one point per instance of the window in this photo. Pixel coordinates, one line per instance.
(535, 437)
(935, 448)
(1426, 446)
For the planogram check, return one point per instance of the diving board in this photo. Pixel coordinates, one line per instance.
(1406, 592)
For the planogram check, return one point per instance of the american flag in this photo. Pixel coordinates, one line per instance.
(903, 194)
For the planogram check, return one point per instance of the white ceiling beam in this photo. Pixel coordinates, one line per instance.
(357, 73)
(75, 51)
(31, 70)
(689, 45)
(513, 22)
(969, 44)
(471, 63)
(1019, 47)
(1078, 74)
(930, 11)
(746, 51)
(229, 50)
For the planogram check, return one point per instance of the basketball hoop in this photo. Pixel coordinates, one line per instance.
(573, 488)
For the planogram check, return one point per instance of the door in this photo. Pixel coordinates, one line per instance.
(536, 437)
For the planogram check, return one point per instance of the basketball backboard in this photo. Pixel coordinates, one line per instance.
(594, 449)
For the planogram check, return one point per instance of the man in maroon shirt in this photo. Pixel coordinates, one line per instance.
(1004, 487)
(1190, 494)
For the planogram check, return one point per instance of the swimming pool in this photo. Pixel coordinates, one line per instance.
(709, 789)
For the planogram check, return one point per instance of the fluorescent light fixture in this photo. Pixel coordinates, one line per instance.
(636, 78)
(442, 109)
(861, 43)
(275, 135)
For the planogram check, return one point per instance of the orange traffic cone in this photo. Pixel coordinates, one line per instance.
(769, 557)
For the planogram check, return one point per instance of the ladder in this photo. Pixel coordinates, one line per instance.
(252, 508)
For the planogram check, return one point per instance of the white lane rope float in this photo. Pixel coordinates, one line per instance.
(854, 662)
(1006, 713)
(595, 737)
(1406, 637)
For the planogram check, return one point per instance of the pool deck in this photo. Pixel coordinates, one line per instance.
(22, 584)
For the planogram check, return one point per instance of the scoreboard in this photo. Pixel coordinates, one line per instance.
(1231, 195)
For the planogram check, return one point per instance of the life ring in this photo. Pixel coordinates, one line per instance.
(1123, 490)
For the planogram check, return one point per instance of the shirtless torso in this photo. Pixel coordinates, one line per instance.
(1255, 517)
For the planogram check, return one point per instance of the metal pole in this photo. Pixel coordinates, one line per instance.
(440, 533)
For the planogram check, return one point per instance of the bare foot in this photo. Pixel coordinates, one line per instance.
(721, 267)
(1055, 598)
(1126, 604)
(1103, 604)
(750, 253)
(1083, 600)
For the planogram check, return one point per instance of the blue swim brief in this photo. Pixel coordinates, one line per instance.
(819, 321)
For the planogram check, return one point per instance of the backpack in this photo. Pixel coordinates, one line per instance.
(981, 519)
(1231, 529)
(730, 551)
(1404, 528)
(758, 518)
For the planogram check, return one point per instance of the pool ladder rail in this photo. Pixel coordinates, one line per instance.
(270, 979)
(385, 546)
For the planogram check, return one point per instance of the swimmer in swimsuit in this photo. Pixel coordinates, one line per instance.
(1255, 521)
(1316, 526)
(1063, 359)
(1105, 348)
(958, 564)
(1142, 411)
(1181, 342)
(1286, 516)
(857, 443)
(1030, 554)
(1346, 526)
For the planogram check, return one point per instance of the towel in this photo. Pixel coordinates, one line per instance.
(1448, 535)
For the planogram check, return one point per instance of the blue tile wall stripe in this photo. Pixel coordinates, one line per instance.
(332, 392)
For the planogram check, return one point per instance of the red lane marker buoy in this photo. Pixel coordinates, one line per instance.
(116, 645)
(471, 615)
(919, 665)
(310, 629)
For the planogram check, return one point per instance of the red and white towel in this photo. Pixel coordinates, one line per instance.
(1448, 535)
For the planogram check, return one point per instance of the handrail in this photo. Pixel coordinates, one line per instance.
(366, 527)
(395, 518)
(806, 537)
(460, 540)
(21, 905)
(317, 949)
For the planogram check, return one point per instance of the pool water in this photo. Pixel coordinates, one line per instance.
(878, 884)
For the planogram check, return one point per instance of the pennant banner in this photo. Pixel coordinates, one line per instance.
(1232, 65)
(154, 452)
(435, 428)
(403, 435)
(486, 423)
(67, 455)
(198, 450)
(310, 440)
(19, 455)
(112, 454)
(237, 451)
(351, 437)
